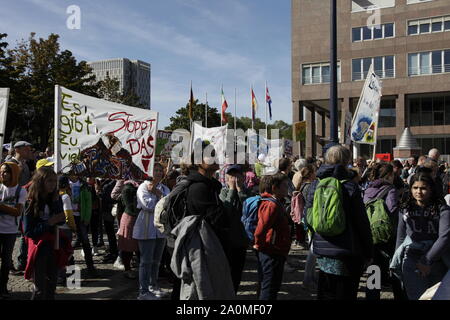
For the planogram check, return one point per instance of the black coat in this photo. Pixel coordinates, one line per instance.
(203, 200)
(356, 241)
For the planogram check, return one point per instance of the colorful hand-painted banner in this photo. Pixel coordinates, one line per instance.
(4, 96)
(164, 144)
(99, 138)
(365, 120)
(216, 136)
(299, 133)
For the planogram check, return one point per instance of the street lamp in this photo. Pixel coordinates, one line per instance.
(28, 114)
(333, 74)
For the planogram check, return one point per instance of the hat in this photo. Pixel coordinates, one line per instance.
(22, 144)
(234, 167)
(44, 163)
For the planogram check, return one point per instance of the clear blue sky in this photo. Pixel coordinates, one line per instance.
(237, 43)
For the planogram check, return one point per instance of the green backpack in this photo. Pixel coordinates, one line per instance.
(380, 222)
(327, 216)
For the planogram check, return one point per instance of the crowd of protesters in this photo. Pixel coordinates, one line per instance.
(196, 223)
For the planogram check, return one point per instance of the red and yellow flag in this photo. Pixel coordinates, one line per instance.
(191, 103)
(224, 108)
(254, 105)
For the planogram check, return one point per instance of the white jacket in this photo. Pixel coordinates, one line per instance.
(144, 229)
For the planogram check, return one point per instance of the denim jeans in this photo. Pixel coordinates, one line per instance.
(151, 254)
(82, 236)
(6, 249)
(415, 284)
(23, 253)
(270, 274)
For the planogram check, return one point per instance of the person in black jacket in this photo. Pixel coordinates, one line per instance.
(203, 196)
(342, 258)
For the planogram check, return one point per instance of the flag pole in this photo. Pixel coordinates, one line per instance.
(206, 111)
(221, 111)
(265, 92)
(190, 107)
(251, 106)
(235, 102)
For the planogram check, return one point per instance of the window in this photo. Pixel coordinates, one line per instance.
(356, 69)
(378, 32)
(386, 145)
(424, 27)
(387, 113)
(436, 25)
(388, 30)
(436, 57)
(429, 110)
(318, 73)
(356, 34)
(375, 32)
(384, 67)
(413, 27)
(424, 63)
(367, 33)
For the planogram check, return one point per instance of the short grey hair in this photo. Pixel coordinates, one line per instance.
(338, 155)
(434, 153)
(300, 164)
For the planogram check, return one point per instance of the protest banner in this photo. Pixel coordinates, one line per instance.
(99, 138)
(299, 133)
(215, 136)
(365, 120)
(4, 97)
(164, 145)
(288, 147)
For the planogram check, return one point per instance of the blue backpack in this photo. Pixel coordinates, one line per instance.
(250, 215)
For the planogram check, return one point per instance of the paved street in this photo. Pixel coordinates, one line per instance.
(112, 285)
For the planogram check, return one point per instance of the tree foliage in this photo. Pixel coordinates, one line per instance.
(35, 67)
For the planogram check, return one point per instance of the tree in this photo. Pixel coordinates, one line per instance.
(181, 121)
(109, 89)
(40, 65)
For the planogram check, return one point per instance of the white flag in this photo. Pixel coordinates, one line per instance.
(215, 136)
(4, 96)
(365, 121)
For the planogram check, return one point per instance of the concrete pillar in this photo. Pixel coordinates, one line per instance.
(320, 131)
(310, 117)
(400, 110)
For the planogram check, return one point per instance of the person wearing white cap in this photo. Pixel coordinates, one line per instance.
(22, 154)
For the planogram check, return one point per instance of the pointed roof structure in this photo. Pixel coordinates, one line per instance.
(407, 141)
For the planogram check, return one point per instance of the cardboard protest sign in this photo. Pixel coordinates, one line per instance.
(99, 138)
(216, 137)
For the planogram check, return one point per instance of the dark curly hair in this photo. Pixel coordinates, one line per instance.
(408, 202)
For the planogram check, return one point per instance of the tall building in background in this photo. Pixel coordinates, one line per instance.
(410, 50)
(132, 75)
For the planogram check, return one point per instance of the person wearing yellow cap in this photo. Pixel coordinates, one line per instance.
(44, 163)
(12, 201)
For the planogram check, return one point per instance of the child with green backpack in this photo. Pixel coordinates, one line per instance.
(381, 201)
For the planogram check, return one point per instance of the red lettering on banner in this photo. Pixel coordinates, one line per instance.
(130, 125)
